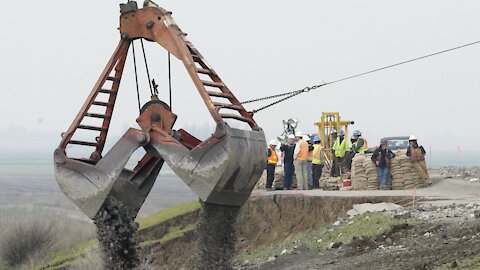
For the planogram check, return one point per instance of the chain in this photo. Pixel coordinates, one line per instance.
(288, 95)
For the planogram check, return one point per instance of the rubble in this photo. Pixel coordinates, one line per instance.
(471, 174)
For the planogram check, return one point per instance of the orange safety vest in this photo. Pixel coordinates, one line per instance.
(273, 158)
(310, 155)
(303, 153)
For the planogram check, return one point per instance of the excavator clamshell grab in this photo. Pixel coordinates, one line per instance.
(88, 185)
(221, 170)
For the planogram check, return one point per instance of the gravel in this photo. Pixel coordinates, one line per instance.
(116, 229)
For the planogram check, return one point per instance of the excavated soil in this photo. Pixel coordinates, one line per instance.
(423, 246)
(261, 221)
(116, 233)
(216, 236)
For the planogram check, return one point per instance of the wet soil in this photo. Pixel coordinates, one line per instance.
(116, 228)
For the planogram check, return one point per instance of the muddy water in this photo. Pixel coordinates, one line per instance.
(116, 229)
(216, 236)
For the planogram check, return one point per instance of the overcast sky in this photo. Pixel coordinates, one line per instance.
(52, 52)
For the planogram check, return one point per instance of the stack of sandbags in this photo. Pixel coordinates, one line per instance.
(359, 176)
(404, 175)
(397, 172)
(277, 181)
(371, 172)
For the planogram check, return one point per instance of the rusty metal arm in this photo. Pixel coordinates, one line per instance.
(117, 62)
(157, 25)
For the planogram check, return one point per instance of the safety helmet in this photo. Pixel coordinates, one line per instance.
(357, 133)
(316, 138)
(298, 134)
(334, 131)
(306, 137)
(273, 142)
(412, 138)
(341, 133)
(291, 136)
(383, 141)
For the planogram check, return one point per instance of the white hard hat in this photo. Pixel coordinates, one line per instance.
(291, 136)
(298, 134)
(412, 138)
(273, 142)
(306, 138)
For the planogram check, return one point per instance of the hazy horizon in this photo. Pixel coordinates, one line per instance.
(259, 49)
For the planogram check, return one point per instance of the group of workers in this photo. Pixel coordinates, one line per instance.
(307, 159)
(298, 156)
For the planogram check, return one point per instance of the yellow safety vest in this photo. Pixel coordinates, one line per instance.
(317, 154)
(341, 148)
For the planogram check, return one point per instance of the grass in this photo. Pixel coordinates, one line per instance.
(167, 214)
(174, 233)
(3, 265)
(61, 257)
(363, 225)
(64, 257)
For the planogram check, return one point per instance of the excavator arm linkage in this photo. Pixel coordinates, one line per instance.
(221, 170)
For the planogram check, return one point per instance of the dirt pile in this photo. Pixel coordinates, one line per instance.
(216, 236)
(116, 229)
(442, 238)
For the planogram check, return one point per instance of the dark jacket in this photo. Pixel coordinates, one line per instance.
(383, 156)
(287, 152)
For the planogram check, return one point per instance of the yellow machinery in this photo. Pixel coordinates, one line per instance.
(329, 123)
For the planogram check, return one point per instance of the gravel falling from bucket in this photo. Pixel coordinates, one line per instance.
(116, 229)
(216, 236)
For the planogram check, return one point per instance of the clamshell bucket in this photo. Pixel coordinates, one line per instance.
(88, 185)
(221, 170)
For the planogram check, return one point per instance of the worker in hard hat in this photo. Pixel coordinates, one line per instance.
(318, 159)
(340, 149)
(361, 144)
(288, 167)
(272, 161)
(382, 157)
(300, 156)
(309, 161)
(417, 157)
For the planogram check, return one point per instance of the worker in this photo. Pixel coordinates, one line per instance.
(353, 141)
(300, 156)
(361, 145)
(382, 157)
(318, 160)
(288, 167)
(272, 161)
(309, 161)
(417, 157)
(340, 149)
(330, 141)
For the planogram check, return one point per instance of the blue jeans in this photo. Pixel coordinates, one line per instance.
(309, 174)
(382, 175)
(288, 171)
